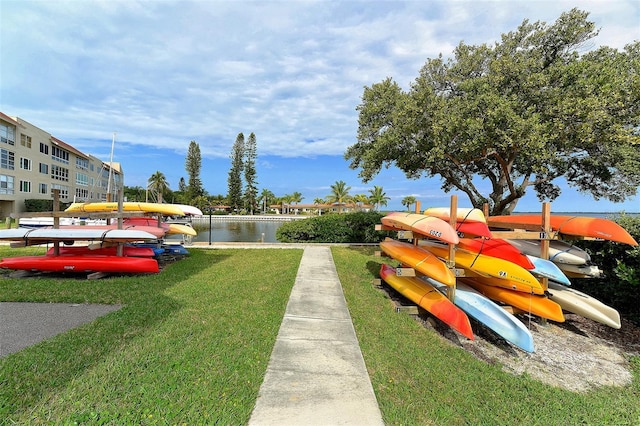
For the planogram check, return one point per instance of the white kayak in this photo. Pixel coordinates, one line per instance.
(559, 251)
(582, 304)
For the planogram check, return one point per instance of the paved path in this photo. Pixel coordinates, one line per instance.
(316, 374)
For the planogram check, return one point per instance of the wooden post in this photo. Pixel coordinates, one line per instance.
(56, 219)
(451, 262)
(544, 245)
(418, 206)
(120, 247)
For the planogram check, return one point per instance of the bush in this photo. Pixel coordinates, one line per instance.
(619, 286)
(356, 227)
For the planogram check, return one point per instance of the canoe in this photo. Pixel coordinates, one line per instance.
(127, 206)
(491, 315)
(570, 225)
(548, 269)
(189, 210)
(468, 221)
(496, 247)
(427, 226)
(419, 259)
(82, 263)
(584, 305)
(84, 233)
(489, 266)
(580, 271)
(559, 251)
(426, 296)
(127, 250)
(538, 305)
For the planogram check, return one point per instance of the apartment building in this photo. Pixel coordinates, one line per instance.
(33, 163)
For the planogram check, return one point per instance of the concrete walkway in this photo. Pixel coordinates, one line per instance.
(316, 374)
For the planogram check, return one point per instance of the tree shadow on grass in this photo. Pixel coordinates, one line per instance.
(30, 375)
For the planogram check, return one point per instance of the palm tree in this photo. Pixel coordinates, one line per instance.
(378, 197)
(360, 200)
(157, 184)
(266, 197)
(408, 201)
(339, 194)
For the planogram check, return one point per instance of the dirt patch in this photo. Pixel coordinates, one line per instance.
(577, 355)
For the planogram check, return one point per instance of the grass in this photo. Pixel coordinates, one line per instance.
(420, 379)
(191, 346)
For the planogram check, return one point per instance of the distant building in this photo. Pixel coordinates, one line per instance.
(33, 163)
(319, 209)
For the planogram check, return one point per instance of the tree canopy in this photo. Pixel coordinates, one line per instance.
(193, 165)
(497, 120)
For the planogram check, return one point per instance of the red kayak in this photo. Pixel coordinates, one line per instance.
(571, 225)
(127, 250)
(497, 247)
(82, 263)
(429, 298)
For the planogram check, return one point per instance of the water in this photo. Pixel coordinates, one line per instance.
(241, 231)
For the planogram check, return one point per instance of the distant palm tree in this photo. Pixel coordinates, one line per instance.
(360, 200)
(339, 194)
(266, 197)
(408, 201)
(318, 201)
(296, 197)
(157, 184)
(378, 197)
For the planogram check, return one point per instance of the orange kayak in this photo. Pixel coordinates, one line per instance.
(428, 226)
(469, 221)
(539, 305)
(428, 297)
(419, 259)
(571, 225)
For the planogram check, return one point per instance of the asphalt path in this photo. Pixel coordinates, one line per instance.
(25, 324)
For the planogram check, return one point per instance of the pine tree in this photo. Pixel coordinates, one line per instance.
(193, 166)
(234, 180)
(251, 186)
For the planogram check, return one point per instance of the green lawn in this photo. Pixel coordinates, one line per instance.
(421, 379)
(192, 344)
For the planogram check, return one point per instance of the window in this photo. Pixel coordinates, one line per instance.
(25, 186)
(44, 168)
(82, 179)
(63, 190)
(25, 164)
(6, 184)
(82, 194)
(59, 154)
(82, 163)
(25, 141)
(44, 148)
(7, 159)
(7, 134)
(59, 173)
(42, 188)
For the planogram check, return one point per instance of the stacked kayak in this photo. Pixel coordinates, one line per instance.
(488, 277)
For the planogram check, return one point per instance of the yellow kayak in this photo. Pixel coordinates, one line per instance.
(488, 266)
(176, 228)
(127, 206)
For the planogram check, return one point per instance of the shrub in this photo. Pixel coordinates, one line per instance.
(356, 227)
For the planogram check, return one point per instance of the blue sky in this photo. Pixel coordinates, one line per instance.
(163, 73)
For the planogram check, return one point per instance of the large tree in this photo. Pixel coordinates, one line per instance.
(497, 120)
(234, 180)
(193, 165)
(251, 185)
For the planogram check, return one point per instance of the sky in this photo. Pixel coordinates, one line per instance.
(154, 75)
